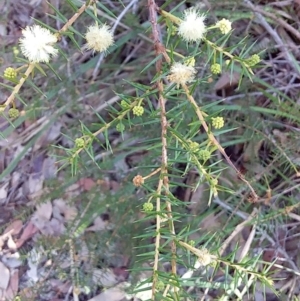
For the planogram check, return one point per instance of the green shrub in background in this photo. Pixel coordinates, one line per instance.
(180, 136)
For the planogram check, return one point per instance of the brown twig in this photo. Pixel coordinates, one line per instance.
(164, 180)
(75, 17)
(30, 68)
(17, 88)
(215, 142)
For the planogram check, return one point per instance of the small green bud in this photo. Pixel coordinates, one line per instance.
(215, 68)
(204, 154)
(194, 146)
(147, 207)
(172, 30)
(192, 243)
(138, 110)
(16, 51)
(160, 286)
(190, 62)
(253, 60)
(217, 122)
(13, 113)
(10, 73)
(79, 143)
(214, 182)
(124, 104)
(120, 127)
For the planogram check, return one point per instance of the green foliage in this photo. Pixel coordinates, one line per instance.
(160, 114)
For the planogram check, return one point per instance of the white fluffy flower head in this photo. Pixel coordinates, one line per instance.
(204, 257)
(224, 25)
(37, 44)
(99, 38)
(192, 28)
(181, 74)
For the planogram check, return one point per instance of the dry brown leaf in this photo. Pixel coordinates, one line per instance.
(72, 191)
(42, 216)
(5, 275)
(49, 168)
(104, 277)
(11, 244)
(27, 294)
(2, 241)
(69, 212)
(57, 227)
(62, 287)
(13, 287)
(3, 238)
(12, 260)
(48, 136)
(3, 192)
(3, 30)
(16, 227)
(227, 80)
(44, 210)
(28, 232)
(35, 183)
(121, 273)
(99, 225)
(86, 183)
(211, 223)
(283, 137)
(112, 294)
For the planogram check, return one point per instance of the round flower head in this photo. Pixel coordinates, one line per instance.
(253, 60)
(204, 257)
(224, 25)
(181, 74)
(192, 28)
(218, 122)
(10, 73)
(37, 44)
(99, 38)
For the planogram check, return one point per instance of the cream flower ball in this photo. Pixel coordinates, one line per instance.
(99, 38)
(37, 44)
(224, 25)
(181, 74)
(192, 28)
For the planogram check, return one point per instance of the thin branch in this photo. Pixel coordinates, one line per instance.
(160, 50)
(75, 17)
(31, 66)
(17, 88)
(215, 142)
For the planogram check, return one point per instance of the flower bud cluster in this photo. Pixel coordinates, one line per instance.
(217, 122)
(10, 73)
(215, 69)
(13, 113)
(138, 110)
